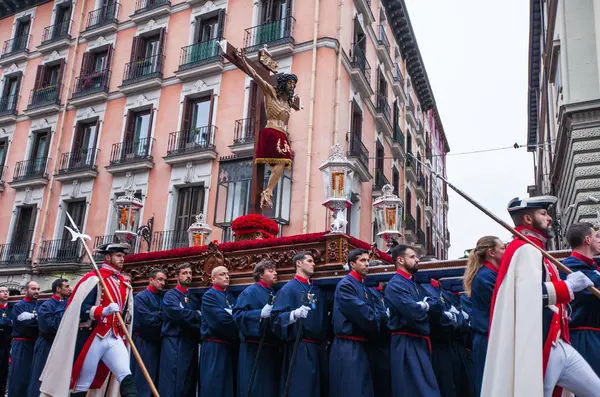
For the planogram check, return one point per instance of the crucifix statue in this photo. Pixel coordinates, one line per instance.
(271, 144)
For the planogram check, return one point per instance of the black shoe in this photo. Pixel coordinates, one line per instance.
(79, 394)
(128, 388)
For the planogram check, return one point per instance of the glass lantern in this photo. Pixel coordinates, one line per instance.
(128, 207)
(199, 232)
(388, 210)
(337, 172)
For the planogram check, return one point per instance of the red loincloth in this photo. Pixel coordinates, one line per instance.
(273, 148)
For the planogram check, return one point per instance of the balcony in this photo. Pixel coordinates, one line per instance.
(60, 252)
(383, 47)
(16, 254)
(30, 173)
(8, 109)
(91, 88)
(398, 83)
(421, 187)
(364, 7)
(196, 144)
(199, 60)
(410, 112)
(361, 71)
(169, 239)
(278, 36)
(382, 115)
(143, 74)
(420, 134)
(80, 164)
(150, 9)
(380, 182)
(3, 171)
(410, 228)
(358, 155)
(44, 100)
(15, 50)
(428, 154)
(398, 143)
(243, 138)
(102, 21)
(131, 155)
(55, 37)
(410, 169)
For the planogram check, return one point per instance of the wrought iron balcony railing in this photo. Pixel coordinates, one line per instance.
(244, 131)
(380, 180)
(8, 104)
(199, 54)
(131, 151)
(16, 44)
(169, 239)
(91, 83)
(57, 31)
(357, 149)
(3, 172)
(194, 140)
(411, 105)
(48, 95)
(383, 106)
(271, 33)
(147, 5)
(103, 16)
(60, 251)
(79, 160)
(359, 61)
(30, 169)
(397, 74)
(411, 224)
(428, 153)
(398, 136)
(143, 69)
(12, 254)
(410, 162)
(382, 37)
(421, 237)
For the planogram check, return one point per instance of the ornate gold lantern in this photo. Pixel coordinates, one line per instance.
(128, 208)
(388, 211)
(337, 172)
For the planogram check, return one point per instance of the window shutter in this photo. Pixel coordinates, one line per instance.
(39, 77)
(129, 125)
(109, 55)
(186, 121)
(210, 112)
(86, 63)
(61, 71)
(5, 87)
(161, 41)
(135, 46)
(19, 80)
(221, 24)
(93, 145)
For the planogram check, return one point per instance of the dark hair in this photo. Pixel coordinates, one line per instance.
(155, 272)
(183, 266)
(577, 232)
(300, 256)
(355, 253)
(517, 217)
(261, 266)
(282, 79)
(27, 284)
(399, 251)
(58, 283)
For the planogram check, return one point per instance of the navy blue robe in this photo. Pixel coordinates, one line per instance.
(49, 315)
(220, 338)
(309, 377)
(24, 335)
(584, 324)
(482, 289)
(379, 348)
(354, 323)
(410, 355)
(147, 325)
(247, 317)
(178, 375)
(6, 329)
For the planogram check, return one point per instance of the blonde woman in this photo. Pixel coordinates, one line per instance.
(479, 282)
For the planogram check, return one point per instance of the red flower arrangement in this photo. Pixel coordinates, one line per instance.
(253, 223)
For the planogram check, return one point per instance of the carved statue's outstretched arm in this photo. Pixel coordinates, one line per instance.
(267, 88)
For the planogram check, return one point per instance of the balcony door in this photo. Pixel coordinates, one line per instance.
(21, 34)
(3, 152)
(47, 83)
(23, 232)
(360, 41)
(62, 20)
(197, 121)
(137, 135)
(190, 202)
(70, 249)
(83, 151)
(275, 14)
(38, 153)
(146, 54)
(10, 92)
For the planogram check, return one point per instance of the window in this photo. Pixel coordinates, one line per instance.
(379, 156)
(10, 93)
(409, 143)
(356, 121)
(63, 13)
(190, 202)
(233, 193)
(209, 28)
(419, 228)
(24, 227)
(408, 205)
(382, 86)
(39, 148)
(77, 211)
(49, 76)
(23, 26)
(145, 47)
(139, 124)
(396, 180)
(274, 10)
(3, 152)
(85, 136)
(96, 61)
(360, 41)
(196, 125)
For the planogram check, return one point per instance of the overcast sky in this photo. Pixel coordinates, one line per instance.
(476, 55)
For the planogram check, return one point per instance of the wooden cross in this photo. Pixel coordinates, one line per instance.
(264, 66)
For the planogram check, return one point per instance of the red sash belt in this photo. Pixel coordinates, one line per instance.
(217, 340)
(257, 342)
(350, 337)
(25, 339)
(584, 329)
(314, 342)
(415, 336)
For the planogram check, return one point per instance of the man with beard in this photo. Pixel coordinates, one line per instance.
(178, 374)
(219, 338)
(6, 328)
(354, 323)
(529, 352)
(301, 307)
(25, 333)
(585, 321)
(147, 325)
(49, 315)
(252, 314)
(410, 347)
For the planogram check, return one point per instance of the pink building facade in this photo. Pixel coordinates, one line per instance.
(98, 94)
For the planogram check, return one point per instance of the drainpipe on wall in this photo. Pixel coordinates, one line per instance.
(61, 122)
(338, 77)
(311, 117)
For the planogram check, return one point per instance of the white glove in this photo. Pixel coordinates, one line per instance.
(199, 312)
(578, 281)
(424, 305)
(387, 311)
(301, 312)
(229, 311)
(454, 310)
(451, 316)
(110, 309)
(25, 316)
(266, 311)
(465, 314)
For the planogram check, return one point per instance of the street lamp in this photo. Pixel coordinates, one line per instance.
(336, 186)
(199, 232)
(128, 207)
(389, 211)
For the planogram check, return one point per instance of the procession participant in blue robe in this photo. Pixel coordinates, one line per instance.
(354, 323)
(6, 329)
(462, 347)
(301, 305)
(178, 375)
(252, 314)
(24, 335)
(410, 346)
(147, 325)
(584, 325)
(49, 315)
(220, 338)
(479, 281)
(379, 347)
